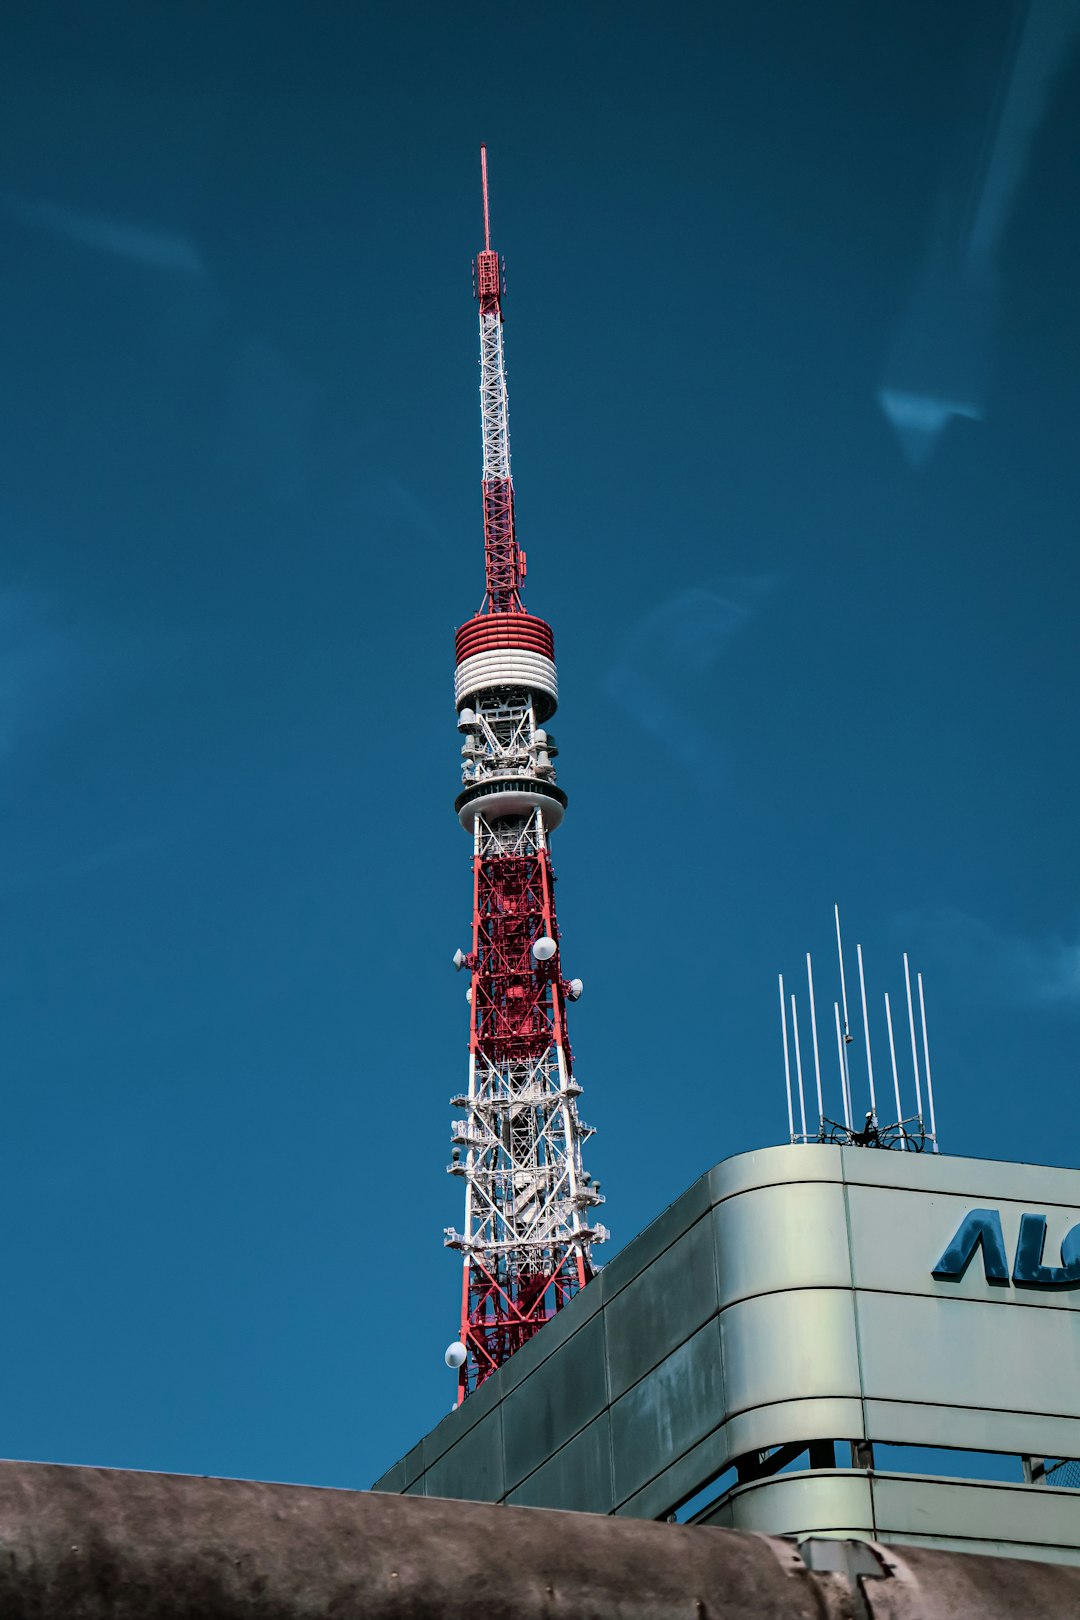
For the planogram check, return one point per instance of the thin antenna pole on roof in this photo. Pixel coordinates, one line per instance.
(798, 1064)
(926, 1061)
(813, 1031)
(843, 980)
(843, 997)
(914, 1048)
(866, 1031)
(840, 1055)
(787, 1060)
(895, 1075)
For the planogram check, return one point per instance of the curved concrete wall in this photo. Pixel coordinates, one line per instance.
(96, 1544)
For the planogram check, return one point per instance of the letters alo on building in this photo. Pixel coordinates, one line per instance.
(981, 1229)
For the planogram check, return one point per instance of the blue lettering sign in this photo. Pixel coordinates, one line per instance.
(981, 1228)
(1028, 1266)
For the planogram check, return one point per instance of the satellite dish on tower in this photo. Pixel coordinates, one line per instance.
(544, 948)
(455, 1355)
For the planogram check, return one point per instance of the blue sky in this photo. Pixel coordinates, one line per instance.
(805, 656)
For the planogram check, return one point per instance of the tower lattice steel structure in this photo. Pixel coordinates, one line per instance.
(529, 1203)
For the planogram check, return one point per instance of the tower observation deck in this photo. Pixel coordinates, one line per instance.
(529, 1220)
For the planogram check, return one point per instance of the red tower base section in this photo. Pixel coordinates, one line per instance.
(518, 1037)
(501, 1321)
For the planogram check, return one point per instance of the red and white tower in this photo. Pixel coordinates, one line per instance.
(529, 1202)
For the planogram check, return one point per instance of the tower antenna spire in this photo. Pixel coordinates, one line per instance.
(504, 560)
(530, 1204)
(487, 211)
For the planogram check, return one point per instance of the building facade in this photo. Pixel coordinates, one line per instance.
(812, 1340)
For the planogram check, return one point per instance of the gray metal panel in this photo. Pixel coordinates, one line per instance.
(996, 1549)
(775, 1166)
(911, 1424)
(981, 1516)
(672, 1408)
(897, 1236)
(661, 1307)
(552, 1336)
(824, 1418)
(977, 1510)
(393, 1481)
(450, 1429)
(472, 1469)
(817, 1502)
(682, 1479)
(577, 1478)
(565, 1393)
(780, 1345)
(660, 1235)
(955, 1352)
(782, 1237)
(756, 1430)
(402, 1474)
(981, 1180)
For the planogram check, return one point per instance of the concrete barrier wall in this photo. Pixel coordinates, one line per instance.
(95, 1544)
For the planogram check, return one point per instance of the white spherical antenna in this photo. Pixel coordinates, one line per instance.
(544, 948)
(468, 995)
(455, 1354)
(574, 989)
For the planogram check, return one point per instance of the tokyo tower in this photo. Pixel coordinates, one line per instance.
(529, 1203)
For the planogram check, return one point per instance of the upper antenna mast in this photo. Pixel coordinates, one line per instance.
(504, 560)
(487, 211)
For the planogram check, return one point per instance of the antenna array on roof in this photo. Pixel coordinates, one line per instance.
(910, 1133)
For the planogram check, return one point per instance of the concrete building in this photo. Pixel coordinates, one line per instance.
(777, 1350)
